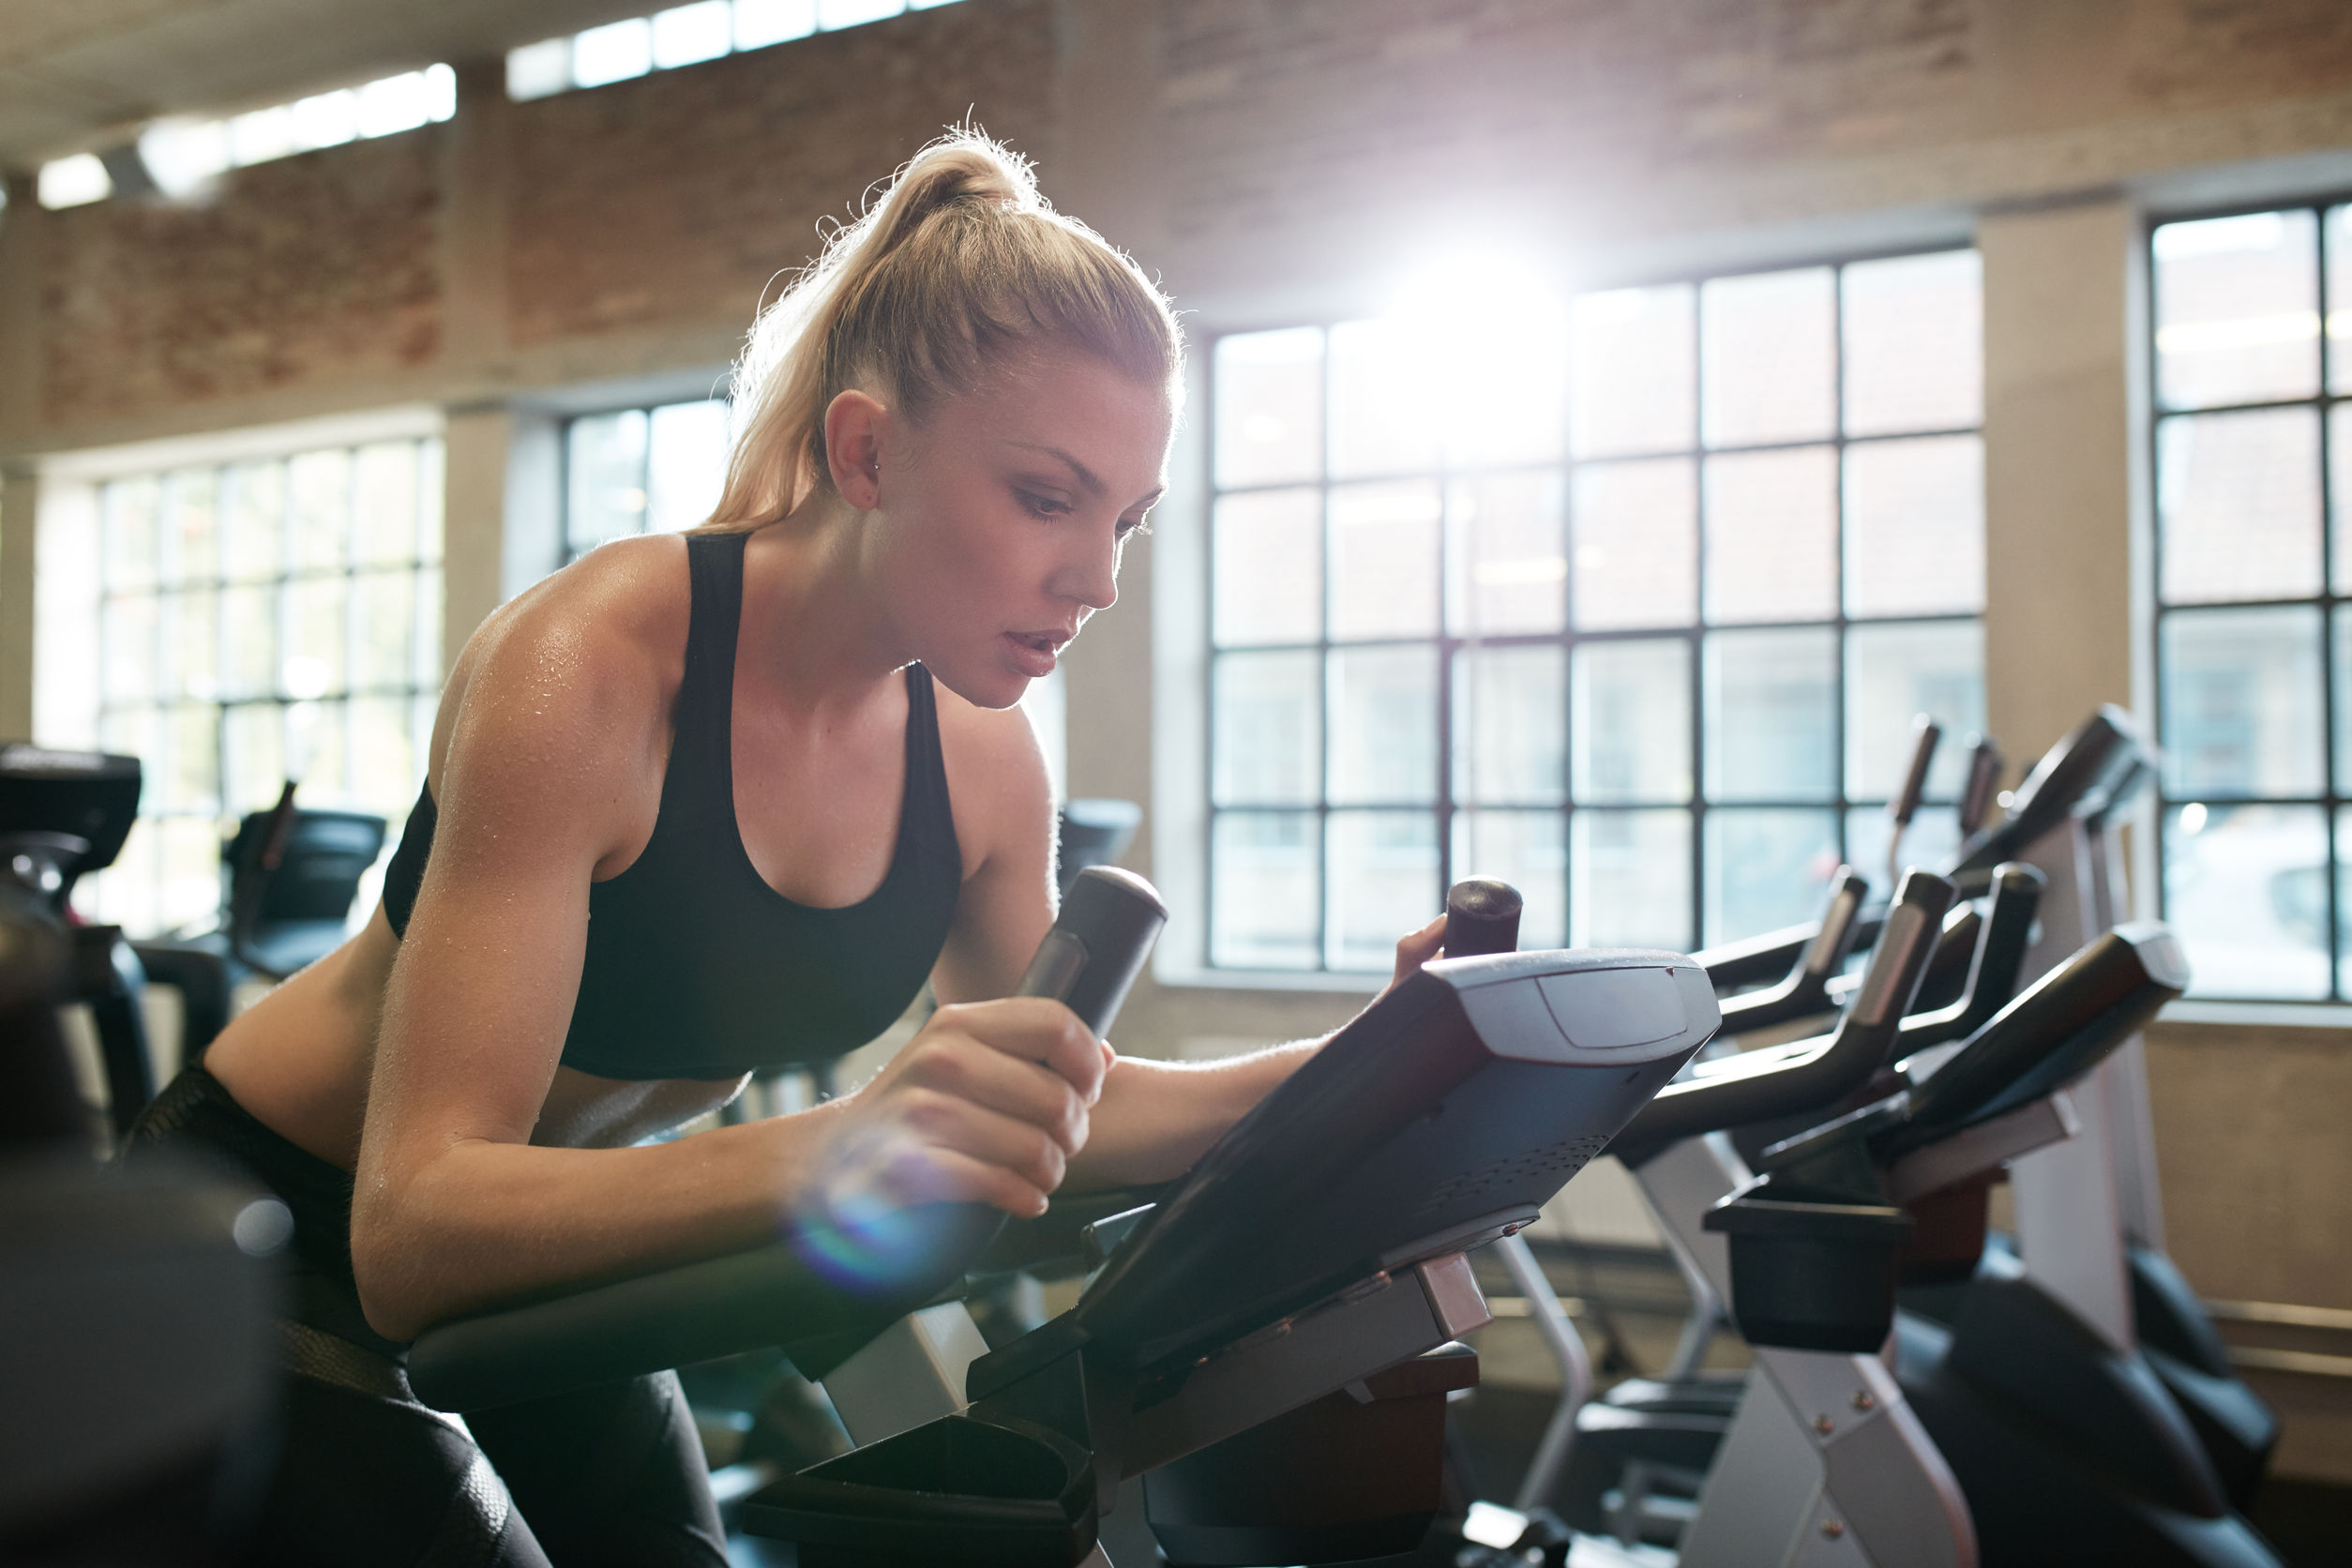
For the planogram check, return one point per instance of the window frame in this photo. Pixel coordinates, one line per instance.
(425, 564)
(1449, 642)
(2334, 798)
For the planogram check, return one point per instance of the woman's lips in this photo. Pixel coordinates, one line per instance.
(1034, 652)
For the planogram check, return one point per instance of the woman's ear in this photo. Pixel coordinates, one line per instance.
(854, 425)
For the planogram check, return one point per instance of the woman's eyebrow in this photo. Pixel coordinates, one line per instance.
(1085, 474)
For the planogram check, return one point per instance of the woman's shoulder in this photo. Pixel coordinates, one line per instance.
(601, 641)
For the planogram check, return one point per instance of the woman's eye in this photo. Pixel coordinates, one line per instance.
(1044, 506)
(1134, 525)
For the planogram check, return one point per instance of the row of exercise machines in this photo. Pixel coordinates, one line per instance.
(1269, 1343)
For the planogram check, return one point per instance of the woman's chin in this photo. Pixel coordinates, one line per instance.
(981, 683)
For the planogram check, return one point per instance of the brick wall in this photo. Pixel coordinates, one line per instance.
(318, 268)
(1275, 141)
(682, 194)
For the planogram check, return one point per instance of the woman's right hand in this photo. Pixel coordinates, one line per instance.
(986, 1103)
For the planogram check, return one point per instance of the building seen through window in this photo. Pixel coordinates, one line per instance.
(2254, 584)
(1631, 602)
(260, 621)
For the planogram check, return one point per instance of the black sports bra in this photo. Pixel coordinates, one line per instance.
(696, 968)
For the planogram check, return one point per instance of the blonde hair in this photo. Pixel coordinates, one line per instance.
(957, 267)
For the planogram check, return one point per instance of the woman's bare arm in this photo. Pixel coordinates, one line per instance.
(455, 1208)
(1153, 1118)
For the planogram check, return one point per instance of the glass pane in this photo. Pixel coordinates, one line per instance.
(385, 768)
(1384, 725)
(2241, 708)
(1509, 710)
(319, 510)
(1266, 867)
(129, 636)
(188, 775)
(314, 752)
(429, 627)
(430, 460)
(1268, 412)
(1630, 878)
(133, 543)
(2236, 309)
(192, 546)
(1766, 870)
(2342, 729)
(1914, 344)
(1635, 526)
(253, 534)
(1383, 884)
(2340, 305)
(383, 610)
(1509, 572)
(1771, 535)
(1268, 551)
(2238, 498)
(2344, 901)
(1631, 727)
(1266, 710)
(384, 513)
(254, 767)
(1383, 400)
(1915, 526)
(1519, 414)
(1770, 370)
(1933, 842)
(1896, 673)
(191, 645)
(1771, 714)
(604, 492)
(188, 855)
(125, 893)
(249, 621)
(686, 464)
(1631, 364)
(2340, 483)
(313, 663)
(1384, 560)
(2246, 891)
(1528, 849)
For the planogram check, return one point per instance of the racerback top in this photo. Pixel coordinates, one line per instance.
(694, 967)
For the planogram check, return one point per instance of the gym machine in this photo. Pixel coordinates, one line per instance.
(1309, 1271)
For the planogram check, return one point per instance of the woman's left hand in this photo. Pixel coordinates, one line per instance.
(1417, 948)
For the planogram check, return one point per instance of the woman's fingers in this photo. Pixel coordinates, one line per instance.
(1417, 948)
(1016, 1088)
(1032, 1029)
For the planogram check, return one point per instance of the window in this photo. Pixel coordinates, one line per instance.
(683, 35)
(1631, 603)
(2253, 582)
(260, 621)
(642, 471)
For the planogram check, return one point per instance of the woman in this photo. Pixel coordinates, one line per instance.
(697, 805)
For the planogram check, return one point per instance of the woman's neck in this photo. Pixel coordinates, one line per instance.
(814, 631)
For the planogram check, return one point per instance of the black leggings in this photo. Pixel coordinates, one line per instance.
(366, 1477)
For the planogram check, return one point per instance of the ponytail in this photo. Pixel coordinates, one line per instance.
(961, 263)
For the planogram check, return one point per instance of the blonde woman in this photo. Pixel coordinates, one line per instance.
(697, 805)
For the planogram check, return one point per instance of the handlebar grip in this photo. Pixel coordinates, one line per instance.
(1985, 764)
(1925, 734)
(1482, 915)
(1764, 1085)
(1089, 959)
